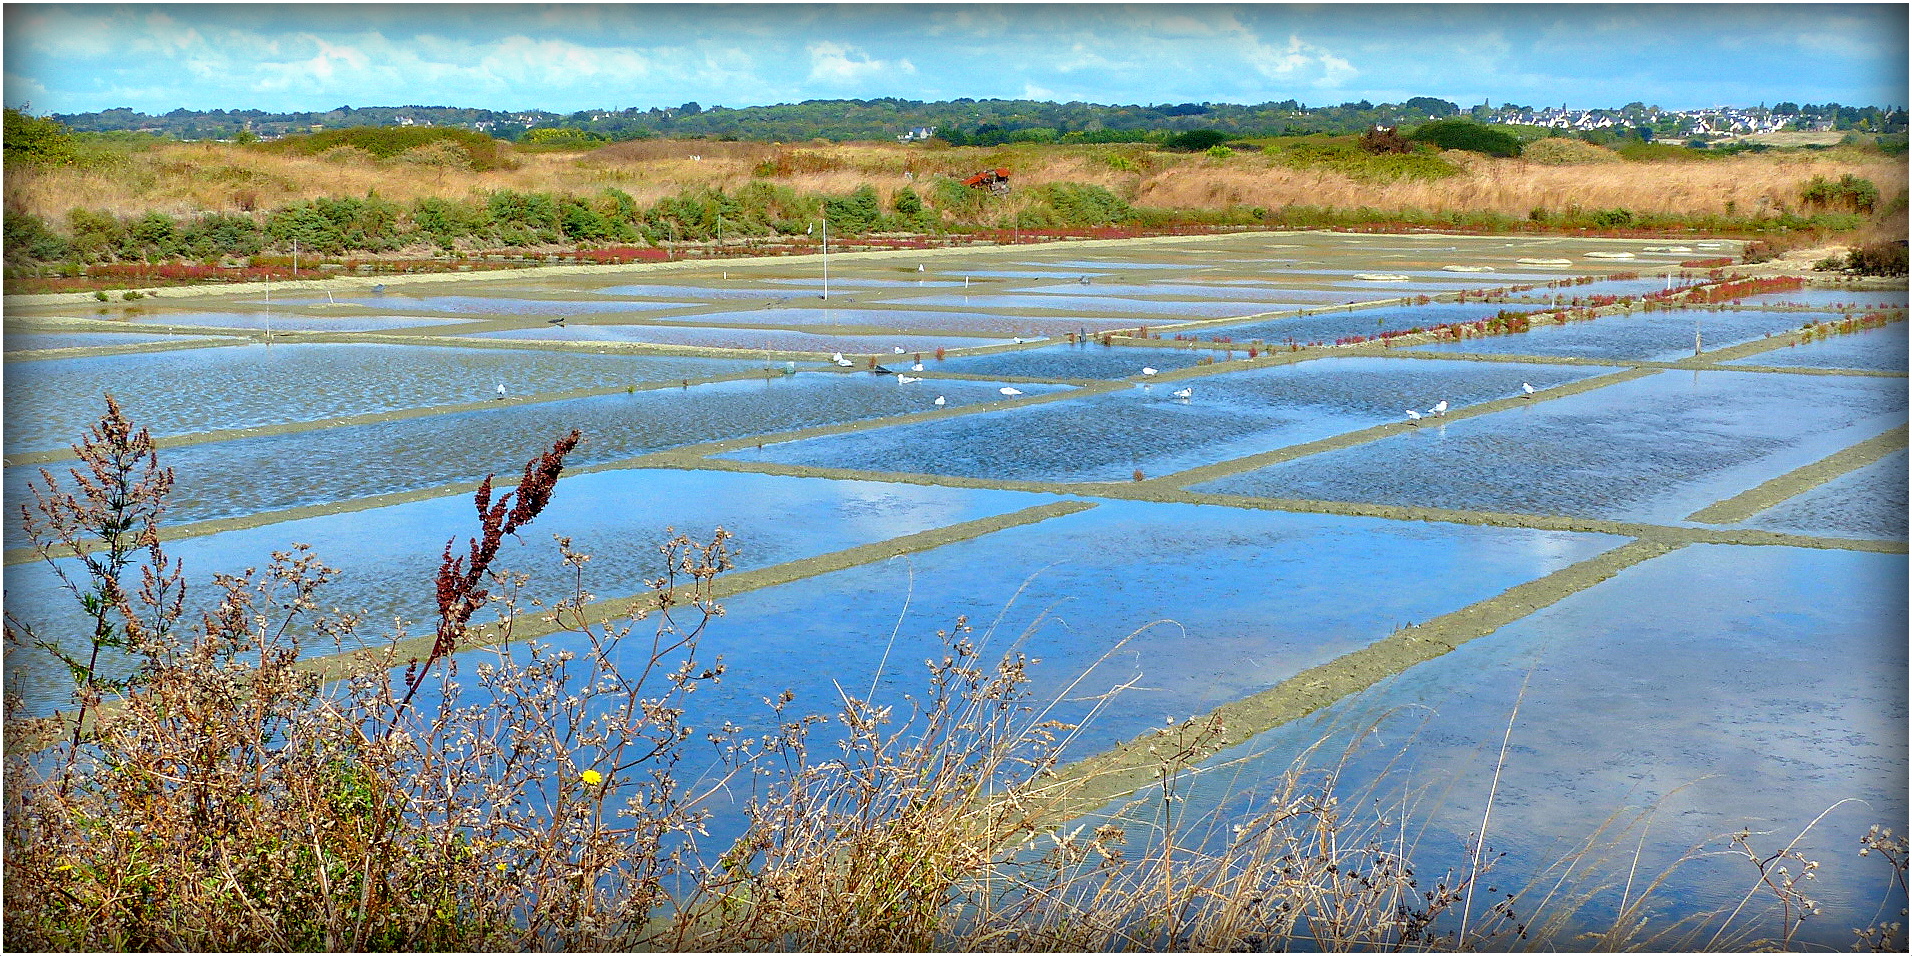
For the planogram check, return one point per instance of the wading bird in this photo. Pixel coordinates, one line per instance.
(906, 379)
(898, 349)
(1148, 371)
(917, 367)
(1529, 389)
(1413, 417)
(1185, 393)
(501, 390)
(1440, 407)
(1010, 390)
(940, 400)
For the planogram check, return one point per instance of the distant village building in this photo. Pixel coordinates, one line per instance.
(917, 134)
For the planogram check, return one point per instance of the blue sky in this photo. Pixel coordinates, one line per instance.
(69, 58)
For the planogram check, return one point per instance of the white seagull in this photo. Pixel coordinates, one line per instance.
(1440, 407)
(906, 379)
(501, 389)
(1184, 393)
(897, 349)
(1413, 417)
(940, 400)
(1148, 371)
(1010, 390)
(917, 367)
(841, 361)
(1529, 389)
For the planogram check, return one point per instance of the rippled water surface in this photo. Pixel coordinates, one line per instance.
(1653, 449)
(1881, 350)
(618, 517)
(1633, 696)
(50, 403)
(1108, 437)
(250, 475)
(1653, 336)
(1868, 502)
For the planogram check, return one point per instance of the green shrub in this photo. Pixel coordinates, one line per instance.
(1468, 135)
(1078, 204)
(36, 140)
(1612, 218)
(1849, 193)
(860, 211)
(562, 136)
(27, 238)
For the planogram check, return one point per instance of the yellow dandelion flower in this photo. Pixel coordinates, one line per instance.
(592, 777)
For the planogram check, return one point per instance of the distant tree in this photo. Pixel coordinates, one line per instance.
(1196, 140)
(1431, 106)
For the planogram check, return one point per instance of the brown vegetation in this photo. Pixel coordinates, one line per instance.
(184, 178)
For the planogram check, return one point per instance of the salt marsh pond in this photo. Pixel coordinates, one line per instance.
(1718, 536)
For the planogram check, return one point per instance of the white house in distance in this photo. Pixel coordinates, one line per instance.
(917, 134)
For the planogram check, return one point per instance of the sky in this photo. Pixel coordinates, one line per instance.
(290, 57)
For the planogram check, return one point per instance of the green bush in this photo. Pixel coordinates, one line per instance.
(1468, 135)
(860, 211)
(1072, 205)
(1849, 192)
(27, 238)
(36, 140)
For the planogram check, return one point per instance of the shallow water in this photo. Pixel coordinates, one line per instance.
(1330, 326)
(1108, 437)
(1650, 336)
(289, 322)
(1868, 502)
(1150, 292)
(50, 403)
(1067, 590)
(1103, 304)
(722, 337)
(252, 475)
(1065, 361)
(501, 302)
(1881, 350)
(1779, 692)
(1832, 299)
(1652, 449)
(617, 517)
(32, 341)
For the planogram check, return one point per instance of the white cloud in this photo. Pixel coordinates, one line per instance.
(1301, 61)
(836, 63)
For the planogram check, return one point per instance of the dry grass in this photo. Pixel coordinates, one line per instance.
(187, 178)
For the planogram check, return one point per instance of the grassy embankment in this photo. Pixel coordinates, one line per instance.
(118, 208)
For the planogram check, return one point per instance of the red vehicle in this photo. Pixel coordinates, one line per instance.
(995, 180)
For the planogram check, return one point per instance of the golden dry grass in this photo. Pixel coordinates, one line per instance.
(186, 178)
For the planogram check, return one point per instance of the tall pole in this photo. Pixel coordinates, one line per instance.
(826, 256)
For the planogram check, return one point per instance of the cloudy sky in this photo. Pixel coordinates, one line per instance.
(281, 57)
